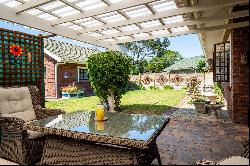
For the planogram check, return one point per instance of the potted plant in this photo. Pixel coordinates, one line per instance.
(70, 91)
(196, 98)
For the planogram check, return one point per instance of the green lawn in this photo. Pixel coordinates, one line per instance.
(145, 101)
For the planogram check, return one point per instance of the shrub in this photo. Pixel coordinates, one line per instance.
(219, 91)
(154, 88)
(168, 87)
(109, 74)
(193, 88)
(131, 86)
(141, 87)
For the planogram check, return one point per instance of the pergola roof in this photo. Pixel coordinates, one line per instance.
(106, 23)
(65, 52)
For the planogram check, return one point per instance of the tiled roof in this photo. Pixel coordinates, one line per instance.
(65, 52)
(187, 63)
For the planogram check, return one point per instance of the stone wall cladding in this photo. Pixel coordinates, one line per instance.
(49, 79)
(240, 76)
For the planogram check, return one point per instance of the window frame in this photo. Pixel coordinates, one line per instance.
(78, 73)
(223, 63)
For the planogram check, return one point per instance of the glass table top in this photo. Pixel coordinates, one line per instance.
(128, 126)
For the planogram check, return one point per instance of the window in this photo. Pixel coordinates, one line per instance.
(83, 74)
(222, 62)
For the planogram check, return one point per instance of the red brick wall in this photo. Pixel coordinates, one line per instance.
(239, 76)
(71, 69)
(50, 89)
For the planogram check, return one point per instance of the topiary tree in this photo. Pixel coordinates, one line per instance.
(202, 68)
(109, 74)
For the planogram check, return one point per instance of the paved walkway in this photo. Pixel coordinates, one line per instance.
(190, 137)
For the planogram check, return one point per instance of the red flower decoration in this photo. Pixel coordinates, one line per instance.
(16, 50)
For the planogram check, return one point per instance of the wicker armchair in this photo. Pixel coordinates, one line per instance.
(19, 105)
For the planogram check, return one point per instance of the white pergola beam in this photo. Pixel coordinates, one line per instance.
(72, 5)
(183, 23)
(9, 14)
(103, 10)
(165, 14)
(213, 28)
(31, 4)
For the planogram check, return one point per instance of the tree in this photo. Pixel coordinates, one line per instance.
(202, 68)
(157, 64)
(140, 50)
(109, 74)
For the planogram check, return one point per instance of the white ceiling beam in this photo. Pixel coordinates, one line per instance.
(72, 5)
(106, 2)
(31, 4)
(213, 28)
(183, 23)
(9, 14)
(103, 10)
(165, 14)
(153, 11)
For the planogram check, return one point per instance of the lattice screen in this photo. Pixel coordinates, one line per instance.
(27, 69)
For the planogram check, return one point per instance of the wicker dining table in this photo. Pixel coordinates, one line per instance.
(123, 139)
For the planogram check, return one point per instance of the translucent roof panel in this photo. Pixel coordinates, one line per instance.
(34, 11)
(94, 34)
(164, 5)
(123, 37)
(111, 17)
(65, 11)
(115, 1)
(137, 11)
(45, 16)
(91, 4)
(174, 19)
(160, 32)
(52, 5)
(129, 28)
(11, 3)
(75, 27)
(180, 29)
(140, 35)
(89, 22)
(67, 24)
(152, 23)
(110, 40)
(110, 31)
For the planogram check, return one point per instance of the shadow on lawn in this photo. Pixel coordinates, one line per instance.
(148, 109)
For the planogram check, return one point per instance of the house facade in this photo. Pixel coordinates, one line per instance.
(65, 64)
(229, 49)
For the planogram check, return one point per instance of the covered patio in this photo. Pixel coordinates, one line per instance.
(222, 26)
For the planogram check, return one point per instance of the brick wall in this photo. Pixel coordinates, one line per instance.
(239, 76)
(72, 76)
(50, 89)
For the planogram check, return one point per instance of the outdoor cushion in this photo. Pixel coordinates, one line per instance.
(16, 102)
(236, 160)
(33, 134)
(6, 162)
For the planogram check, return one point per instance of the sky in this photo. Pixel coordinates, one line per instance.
(187, 45)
